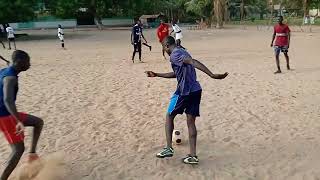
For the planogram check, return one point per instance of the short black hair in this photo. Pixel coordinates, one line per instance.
(19, 55)
(169, 40)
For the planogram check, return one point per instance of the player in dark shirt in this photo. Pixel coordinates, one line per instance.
(136, 36)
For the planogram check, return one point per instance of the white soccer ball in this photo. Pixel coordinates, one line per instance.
(176, 137)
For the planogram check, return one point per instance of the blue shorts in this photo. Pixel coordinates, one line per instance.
(190, 104)
(278, 49)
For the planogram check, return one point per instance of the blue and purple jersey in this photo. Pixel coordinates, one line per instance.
(185, 73)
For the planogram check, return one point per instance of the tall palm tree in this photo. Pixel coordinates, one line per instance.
(219, 8)
(306, 7)
(242, 10)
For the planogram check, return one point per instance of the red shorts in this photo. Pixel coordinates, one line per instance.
(8, 127)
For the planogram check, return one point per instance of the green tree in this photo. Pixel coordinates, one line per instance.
(202, 8)
(17, 10)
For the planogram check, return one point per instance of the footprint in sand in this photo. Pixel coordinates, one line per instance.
(227, 139)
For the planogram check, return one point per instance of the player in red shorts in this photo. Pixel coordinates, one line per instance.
(163, 32)
(282, 43)
(11, 121)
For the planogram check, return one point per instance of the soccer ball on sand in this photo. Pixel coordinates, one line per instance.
(176, 136)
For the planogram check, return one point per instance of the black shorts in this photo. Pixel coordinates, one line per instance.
(190, 104)
(11, 39)
(137, 46)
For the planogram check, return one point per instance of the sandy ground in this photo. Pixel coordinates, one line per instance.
(108, 118)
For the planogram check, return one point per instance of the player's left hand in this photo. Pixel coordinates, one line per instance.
(19, 128)
(151, 74)
(220, 76)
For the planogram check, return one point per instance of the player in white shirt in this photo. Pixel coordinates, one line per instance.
(10, 35)
(178, 33)
(61, 35)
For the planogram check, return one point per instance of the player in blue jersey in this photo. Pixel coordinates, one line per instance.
(12, 122)
(187, 97)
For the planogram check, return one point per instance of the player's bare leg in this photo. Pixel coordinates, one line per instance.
(278, 64)
(14, 43)
(9, 44)
(192, 134)
(15, 156)
(287, 59)
(37, 125)
(169, 127)
(150, 47)
(3, 45)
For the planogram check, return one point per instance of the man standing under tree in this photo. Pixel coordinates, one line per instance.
(282, 36)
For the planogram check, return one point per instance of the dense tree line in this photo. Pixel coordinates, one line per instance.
(211, 10)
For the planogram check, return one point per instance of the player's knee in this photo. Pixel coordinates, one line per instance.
(40, 122)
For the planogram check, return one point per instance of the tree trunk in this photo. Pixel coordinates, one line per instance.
(226, 11)
(306, 7)
(271, 12)
(219, 12)
(305, 10)
(242, 10)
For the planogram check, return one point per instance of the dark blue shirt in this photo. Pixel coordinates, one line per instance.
(185, 73)
(9, 71)
(136, 32)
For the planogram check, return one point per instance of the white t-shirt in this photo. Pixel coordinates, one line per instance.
(60, 33)
(10, 32)
(178, 31)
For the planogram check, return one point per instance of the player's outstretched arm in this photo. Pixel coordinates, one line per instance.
(163, 75)
(204, 69)
(8, 62)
